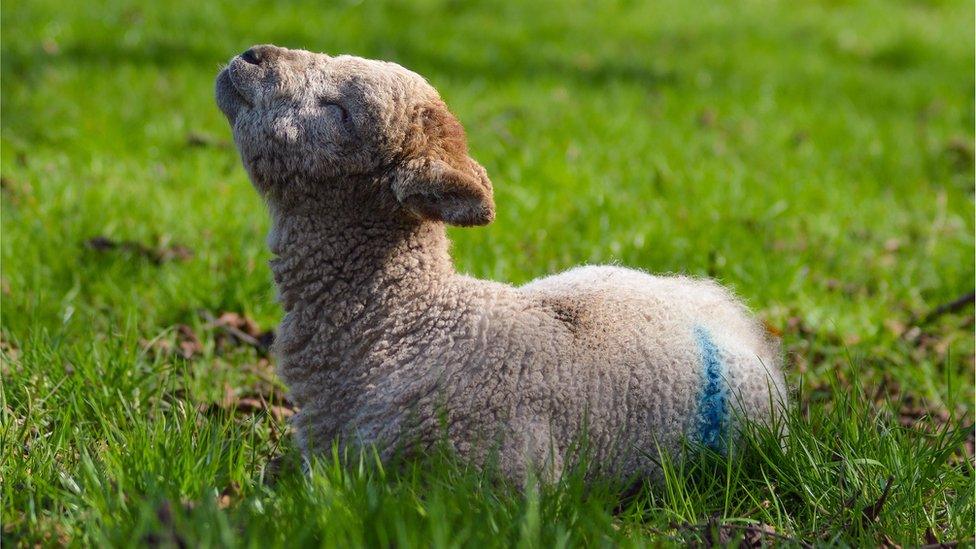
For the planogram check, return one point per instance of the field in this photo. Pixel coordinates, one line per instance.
(817, 157)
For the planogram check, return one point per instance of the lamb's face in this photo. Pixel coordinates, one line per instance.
(303, 119)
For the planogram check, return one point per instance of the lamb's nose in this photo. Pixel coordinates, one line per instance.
(263, 54)
(252, 56)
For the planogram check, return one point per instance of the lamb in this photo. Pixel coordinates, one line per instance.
(384, 344)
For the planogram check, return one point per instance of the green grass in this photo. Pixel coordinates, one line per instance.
(817, 157)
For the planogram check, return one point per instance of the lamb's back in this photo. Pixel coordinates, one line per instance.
(606, 303)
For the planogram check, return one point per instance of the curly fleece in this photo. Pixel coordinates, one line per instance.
(383, 343)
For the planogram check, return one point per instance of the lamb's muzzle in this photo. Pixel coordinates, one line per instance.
(384, 344)
(239, 82)
(229, 99)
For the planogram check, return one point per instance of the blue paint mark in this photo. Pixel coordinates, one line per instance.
(712, 400)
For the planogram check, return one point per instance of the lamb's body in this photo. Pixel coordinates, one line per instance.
(383, 343)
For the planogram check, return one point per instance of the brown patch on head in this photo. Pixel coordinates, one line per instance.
(436, 178)
(437, 134)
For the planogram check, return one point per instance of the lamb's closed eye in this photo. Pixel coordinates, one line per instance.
(335, 109)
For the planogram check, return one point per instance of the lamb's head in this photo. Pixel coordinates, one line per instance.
(306, 121)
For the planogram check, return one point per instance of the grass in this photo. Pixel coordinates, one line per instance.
(817, 157)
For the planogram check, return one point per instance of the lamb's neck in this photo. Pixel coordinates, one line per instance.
(343, 262)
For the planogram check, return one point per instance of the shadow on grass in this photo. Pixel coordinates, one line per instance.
(582, 71)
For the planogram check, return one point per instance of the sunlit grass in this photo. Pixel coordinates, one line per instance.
(817, 157)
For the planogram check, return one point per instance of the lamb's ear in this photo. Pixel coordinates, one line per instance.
(434, 189)
(437, 179)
